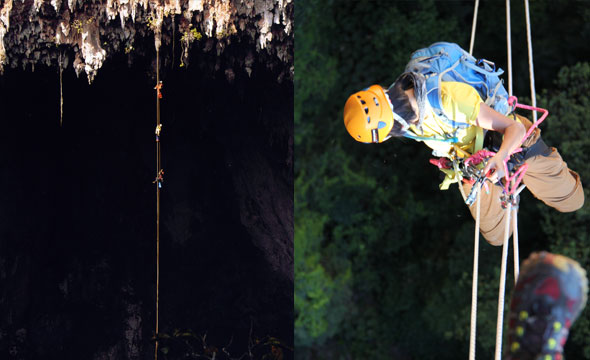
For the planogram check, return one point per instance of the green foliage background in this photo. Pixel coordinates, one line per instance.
(383, 259)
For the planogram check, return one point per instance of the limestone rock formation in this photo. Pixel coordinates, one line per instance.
(86, 33)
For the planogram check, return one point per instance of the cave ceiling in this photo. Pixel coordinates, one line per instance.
(231, 36)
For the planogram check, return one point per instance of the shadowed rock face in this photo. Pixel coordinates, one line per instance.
(77, 218)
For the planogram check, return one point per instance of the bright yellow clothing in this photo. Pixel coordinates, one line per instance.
(460, 103)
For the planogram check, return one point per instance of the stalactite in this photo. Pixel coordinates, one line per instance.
(4, 27)
(92, 33)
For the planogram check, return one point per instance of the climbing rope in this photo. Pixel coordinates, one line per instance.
(530, 50)
(474, 24)
(511, 188)
(510, 195)
(501, 291)
(515, 236)
(61, 94)
(158, 181)
(515, 242)
(473, 327)
(509, 47)
(474, 281)
(173, 40)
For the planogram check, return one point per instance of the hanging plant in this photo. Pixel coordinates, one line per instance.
(188, 36)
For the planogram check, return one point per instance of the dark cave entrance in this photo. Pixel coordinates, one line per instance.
(77, 236)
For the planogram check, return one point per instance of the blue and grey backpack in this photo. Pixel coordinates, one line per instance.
(443, 61)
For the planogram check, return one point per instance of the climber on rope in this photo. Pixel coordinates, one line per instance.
(449, 108)
(158, 88)
(159, 178)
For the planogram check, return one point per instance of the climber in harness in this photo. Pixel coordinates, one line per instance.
(450, 114)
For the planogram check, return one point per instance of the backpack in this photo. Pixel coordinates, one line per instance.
(443, 61)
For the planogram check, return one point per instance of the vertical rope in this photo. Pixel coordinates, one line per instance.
(473, 25)
(515, 236)
(472, 335)
(173, 39)
(474, 281)
(509, 45)
(530, 49)
(61, 93)
(515, 243)
(502, 290)
(158, 169)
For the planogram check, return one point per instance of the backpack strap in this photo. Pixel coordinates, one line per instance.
(481, 70)
(434, 99)
(433, 86)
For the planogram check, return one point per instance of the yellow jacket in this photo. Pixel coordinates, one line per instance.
(461, 103)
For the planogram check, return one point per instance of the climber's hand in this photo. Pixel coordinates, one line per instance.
(494, 169)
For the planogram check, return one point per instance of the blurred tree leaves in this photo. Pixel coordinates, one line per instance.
(569, 103)
(383, 259)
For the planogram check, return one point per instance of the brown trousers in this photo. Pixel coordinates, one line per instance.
(548, 178)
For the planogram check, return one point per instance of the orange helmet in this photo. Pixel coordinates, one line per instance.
(368, 116)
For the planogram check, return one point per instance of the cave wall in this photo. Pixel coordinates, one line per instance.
(77, 228)
(77, 237)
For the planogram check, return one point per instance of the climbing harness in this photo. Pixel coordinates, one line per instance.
(512, 178)
(475, 173)
(469, 169)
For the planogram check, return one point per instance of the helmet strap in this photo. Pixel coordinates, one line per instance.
(405, 125)
(375, 135)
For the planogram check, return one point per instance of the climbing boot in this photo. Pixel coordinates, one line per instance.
(550, 294)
